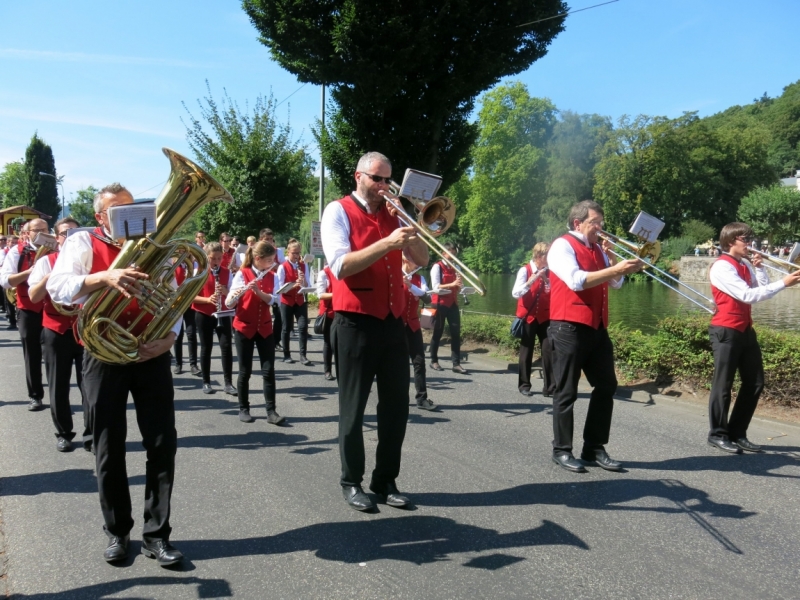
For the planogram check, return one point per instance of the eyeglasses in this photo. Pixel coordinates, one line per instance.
(39, 230)
(227, 240)
(377, 178)
(599, 224)
(746, 240)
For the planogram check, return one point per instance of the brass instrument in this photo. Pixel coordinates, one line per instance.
(784, 267)
(433, 219)
(648, 253)
(45, 244)
(100, 323)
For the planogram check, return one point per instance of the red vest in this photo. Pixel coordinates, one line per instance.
(378, 290)
(252, 313)
(587, 307)
(103, 254)
(26, 256)
(292, 297)
(227, 256)
(51, 318)
(448, 276)
(411, 314)
(180, 274)
(732, 312)
(326, 306)
(208, 291)
(535, 303)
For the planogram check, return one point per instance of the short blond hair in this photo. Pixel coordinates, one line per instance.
(540, 249)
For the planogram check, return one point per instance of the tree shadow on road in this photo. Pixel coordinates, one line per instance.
(206, 588)
(69, 481)
(748, 464)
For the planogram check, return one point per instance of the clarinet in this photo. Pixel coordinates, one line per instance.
(217, 289)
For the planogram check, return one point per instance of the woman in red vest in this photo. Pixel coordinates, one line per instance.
(416, 287)
(293, 303)
(735, 285)
(445, 277)
(252, 294)
(207, 302)
(325, 295)
(532, 291)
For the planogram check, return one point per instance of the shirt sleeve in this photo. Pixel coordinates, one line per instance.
(280, 277)
(74, 263)
(236, 285)
(9, 267)
(562, 261)
(335, 233)
(760, 274)
(423, 285)
(40, 270)
(724, 277)
(322, 282)
(520, 289)
(436, 276)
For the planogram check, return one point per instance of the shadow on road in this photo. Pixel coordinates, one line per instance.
(206, 588)
(69, 481)
(748, 464)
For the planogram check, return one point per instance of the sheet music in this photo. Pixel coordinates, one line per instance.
(420, 185)
(135, 215)
(45, 239)
(286, 287)
(794, 254)
(646, 227)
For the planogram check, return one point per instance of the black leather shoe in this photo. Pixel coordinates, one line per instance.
(436, 367)
(329, 376)
(117, 549)
(230, 390)
(244, 415)
(747, 445)
(305, 362)
(391, 495)
(165, 553)
(356, 498)
(459, 369)
(725, 445)
(273, 418)
(34, 404)
(603, 460)
(569, 462)
(288, 360)
(195, 371)
(177, 370)
(63, 445)
(207, 389)
(526, 392)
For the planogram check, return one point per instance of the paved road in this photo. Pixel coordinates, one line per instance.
(258, 511)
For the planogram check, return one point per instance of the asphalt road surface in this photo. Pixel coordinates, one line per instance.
(258, 511)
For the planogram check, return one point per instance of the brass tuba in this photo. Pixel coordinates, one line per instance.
(102, 324)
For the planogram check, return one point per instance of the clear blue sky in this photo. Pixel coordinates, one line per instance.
(103, 82)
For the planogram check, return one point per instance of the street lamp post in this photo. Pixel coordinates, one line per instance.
(58, 181)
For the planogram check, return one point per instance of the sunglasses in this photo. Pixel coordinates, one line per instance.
(377, 178)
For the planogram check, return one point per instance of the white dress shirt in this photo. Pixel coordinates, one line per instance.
(280, 277)
(521, 285)
(724, 277)
(238, 283)
(322, 283)
(11, 266)
(41, 269)
(73, 265)
(420, 290)
(562, 261)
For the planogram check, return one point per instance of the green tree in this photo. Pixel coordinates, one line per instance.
(82, 207)
(404, 76)
(573, 152)
(257, 162)
(13, 184)
(773, 213)
(41, 191)
(697, 231)
(507, 189)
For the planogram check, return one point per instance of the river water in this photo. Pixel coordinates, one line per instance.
(640, 305)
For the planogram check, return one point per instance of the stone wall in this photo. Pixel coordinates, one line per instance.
(694, 269)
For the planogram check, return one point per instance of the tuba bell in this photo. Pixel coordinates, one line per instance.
(102, 325)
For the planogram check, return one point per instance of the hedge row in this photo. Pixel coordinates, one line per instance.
(679, 352)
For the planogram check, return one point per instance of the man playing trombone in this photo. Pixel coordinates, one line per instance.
(581, 273)
(735, 285)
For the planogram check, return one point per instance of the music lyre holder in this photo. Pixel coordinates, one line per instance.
(128, 236)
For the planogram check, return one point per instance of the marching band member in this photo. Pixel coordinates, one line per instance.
(581, 275)
(325, 295)
(532, 291)
(416, 288)
(11, 309)
(363, 243)
(17, 268)
(230, 259)
(267, 235)
(3, 252)
(200, 238)
(445, 277)
(293, 304)
(61, 350)
(82, 268)
(252, 293)
(207, 302)
(735, 285)
(187, 326)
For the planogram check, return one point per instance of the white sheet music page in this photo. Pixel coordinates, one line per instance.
(420, 185)
(136, 215)
(646, 227)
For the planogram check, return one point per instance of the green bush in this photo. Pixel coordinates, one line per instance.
(485, 329)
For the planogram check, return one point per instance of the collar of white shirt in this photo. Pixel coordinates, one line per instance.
(361, 201)
(581, 237)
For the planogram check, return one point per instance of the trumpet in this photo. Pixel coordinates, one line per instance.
(434, 218)
(648, 253)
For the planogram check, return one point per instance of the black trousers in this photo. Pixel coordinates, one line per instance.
(579, 348)
(367, 348)
(530, 331)
(206, 327)
(416, 352)
(11, 313)
(188, 325)
(61, 352)
(288, 315)
(30, 333)
(327, 348)
(734, 351)
(453, 316)
(106, 388)
(277, 321)
(266, 354)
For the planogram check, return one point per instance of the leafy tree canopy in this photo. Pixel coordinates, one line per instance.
(41, 191)
(257, 162)
(403, 76)
(697, 231)
(773, 213)
(82, 207)
(13, 184)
